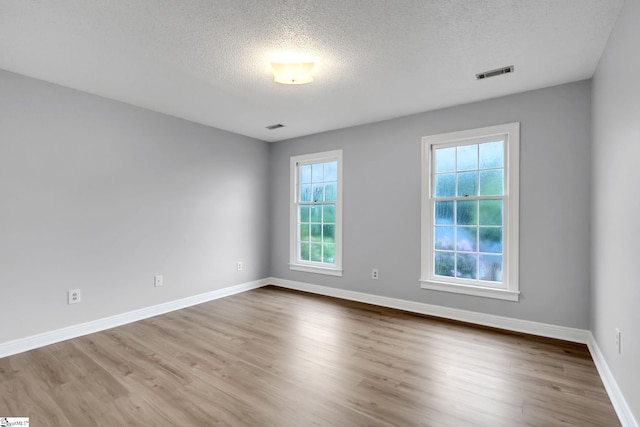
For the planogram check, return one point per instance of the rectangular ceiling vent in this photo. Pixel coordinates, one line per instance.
(276, 126)
(493, 73)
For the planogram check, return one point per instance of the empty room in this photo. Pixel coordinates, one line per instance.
(329, 213)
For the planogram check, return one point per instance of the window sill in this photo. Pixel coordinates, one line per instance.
(478, 291)
(318, 270)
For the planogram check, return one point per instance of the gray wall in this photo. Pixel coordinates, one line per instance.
(100, 195)
(616, 207)
(382, 203)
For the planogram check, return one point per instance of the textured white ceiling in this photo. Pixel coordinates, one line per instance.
(208, 60)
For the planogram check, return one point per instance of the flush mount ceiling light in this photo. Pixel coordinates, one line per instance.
(292, 73)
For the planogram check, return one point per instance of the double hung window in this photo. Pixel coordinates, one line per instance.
(316, 213)
(470, 212)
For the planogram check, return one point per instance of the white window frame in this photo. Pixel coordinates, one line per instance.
(310, 266)
(510, 288)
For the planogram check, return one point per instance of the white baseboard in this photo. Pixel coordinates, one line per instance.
(517, 325)
(610, 384)
(29, 343)
(535, 328)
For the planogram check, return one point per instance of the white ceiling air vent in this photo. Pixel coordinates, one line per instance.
(276, 126)
(493, 73)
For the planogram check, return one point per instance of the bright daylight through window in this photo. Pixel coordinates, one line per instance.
(470, 212)
(316, 213)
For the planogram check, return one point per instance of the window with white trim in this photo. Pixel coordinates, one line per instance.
(316, 213)
(470, 204)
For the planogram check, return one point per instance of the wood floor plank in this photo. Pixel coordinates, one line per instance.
(275, 357)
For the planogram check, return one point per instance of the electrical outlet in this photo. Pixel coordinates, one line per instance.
(157, 280)
(618, 340)
(73, 296)
(239, 266)
(374, 274)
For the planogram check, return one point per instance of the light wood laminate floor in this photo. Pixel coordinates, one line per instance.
(274, 357)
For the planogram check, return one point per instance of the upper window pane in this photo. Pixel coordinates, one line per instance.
(318, 192)
(317, 172)
(445, 160)
(305, 193)
(492, 182)
(468, 184)
(467, 157)
(492, 155)
(330, 192)
(305, 174)
(446, 185)
(331, 171)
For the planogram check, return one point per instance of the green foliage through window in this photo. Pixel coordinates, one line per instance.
(468, 211)
(317, 195)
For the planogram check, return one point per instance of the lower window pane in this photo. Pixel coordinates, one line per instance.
(466, 266)
(491, 268)
(328, 233)
(491, 240)
(304, 232)
(444, 213)
(316, 213)
(466, 240)
(490, 212)
(329, 213)
(328, 253)
(304, 251)
(444, 238)
(316, 233)
(467, 212)
(444, 264)
(316, 252)
(303, 215)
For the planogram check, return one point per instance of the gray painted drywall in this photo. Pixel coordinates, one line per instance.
(99, 195)
(382, 203)
(615, 185)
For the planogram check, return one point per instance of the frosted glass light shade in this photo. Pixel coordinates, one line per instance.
(292, 74)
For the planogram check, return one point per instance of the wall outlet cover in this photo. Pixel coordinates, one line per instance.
(73, 296)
